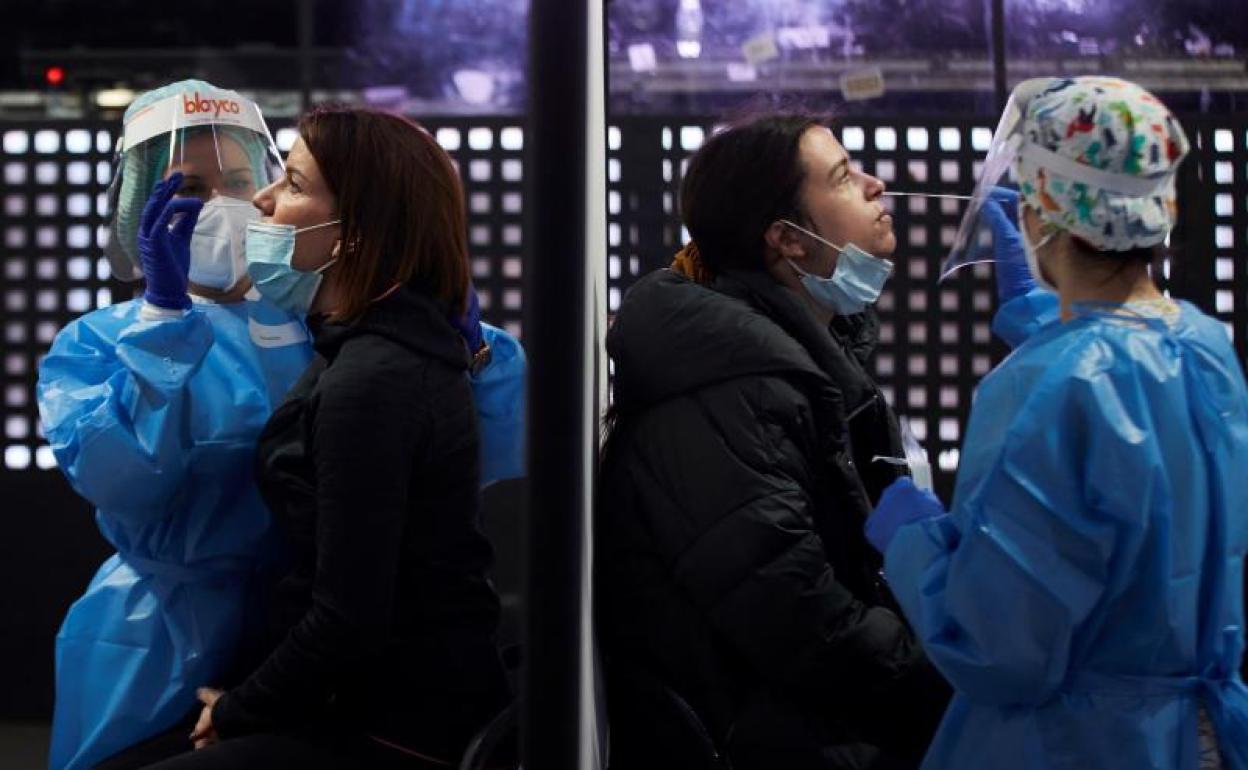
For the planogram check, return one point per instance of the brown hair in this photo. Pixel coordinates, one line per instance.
(401, 205)
(739, 182)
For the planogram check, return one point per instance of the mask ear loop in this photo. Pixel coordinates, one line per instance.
(334, 253)
(824, 241)
(1048, 230)
(318, 227)
(819, 238)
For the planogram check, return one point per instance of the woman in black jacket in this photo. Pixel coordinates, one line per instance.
(738, 472)
(384, 626)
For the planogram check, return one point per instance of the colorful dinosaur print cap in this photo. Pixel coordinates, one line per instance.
(1098, 158)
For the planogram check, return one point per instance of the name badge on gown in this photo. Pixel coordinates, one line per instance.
(276, 335)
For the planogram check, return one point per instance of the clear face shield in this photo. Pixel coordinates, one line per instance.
(219, 142)
(973, 242)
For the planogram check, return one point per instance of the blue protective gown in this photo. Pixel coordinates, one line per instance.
(498, 391)
(1084, 597)
(155, 423)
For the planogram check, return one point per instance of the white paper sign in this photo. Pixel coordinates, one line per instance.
(857, 85)
(814, 36)
(760, 48)
(641, 57)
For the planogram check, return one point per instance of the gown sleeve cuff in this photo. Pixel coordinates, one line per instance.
(1024, 315)
(150, 312)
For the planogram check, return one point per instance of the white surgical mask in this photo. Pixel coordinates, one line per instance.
(217, 257)
(1030, 252)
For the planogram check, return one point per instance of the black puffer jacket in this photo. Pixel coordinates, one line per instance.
(729, 549)
(385, 624)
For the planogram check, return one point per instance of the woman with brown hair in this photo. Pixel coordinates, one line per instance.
(384, 625)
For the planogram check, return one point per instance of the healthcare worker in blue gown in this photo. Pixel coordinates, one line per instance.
(152, 408)
(1084, 593)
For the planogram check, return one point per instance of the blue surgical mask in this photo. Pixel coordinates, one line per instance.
(855, 283)
(270, 248)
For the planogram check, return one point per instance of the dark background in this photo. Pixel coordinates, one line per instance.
(936, 56)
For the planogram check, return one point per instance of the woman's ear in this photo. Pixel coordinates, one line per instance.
(783, 242)
(342, 247)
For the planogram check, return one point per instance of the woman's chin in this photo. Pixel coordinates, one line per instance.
(885, 245)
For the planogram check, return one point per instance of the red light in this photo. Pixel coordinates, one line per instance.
(54, 75)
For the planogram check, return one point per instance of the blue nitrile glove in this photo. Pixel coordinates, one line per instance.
(1014, 278)
(164, 251)
(469, 324)
(902, 503)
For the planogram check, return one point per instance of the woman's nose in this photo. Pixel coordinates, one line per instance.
(263, 201)
(873, 187)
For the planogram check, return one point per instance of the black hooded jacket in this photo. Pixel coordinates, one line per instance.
(735, 483)
(385, 623)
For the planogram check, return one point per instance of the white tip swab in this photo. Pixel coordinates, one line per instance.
(932, 195)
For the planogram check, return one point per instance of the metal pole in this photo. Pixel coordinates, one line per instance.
(306, 21)
(559, 338)
(995, 11)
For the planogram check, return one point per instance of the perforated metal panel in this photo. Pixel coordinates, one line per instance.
(644, 165)
(488, 155)
(55, 177)
(1209, 267)
(935, 341)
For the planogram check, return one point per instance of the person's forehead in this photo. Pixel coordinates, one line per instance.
(231, 148)
(821, 150)
(298, 152)
(205, 149)
(300, 160)
(196, 164)
(198, 146)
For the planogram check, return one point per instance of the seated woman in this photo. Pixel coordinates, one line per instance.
(730, 557)
(384, 627)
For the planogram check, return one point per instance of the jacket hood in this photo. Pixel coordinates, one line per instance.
(672, 335)
(405, 316)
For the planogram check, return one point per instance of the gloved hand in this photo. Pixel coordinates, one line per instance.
(164, 251)
(902, 503)
(469, 324)
(1013, 276)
